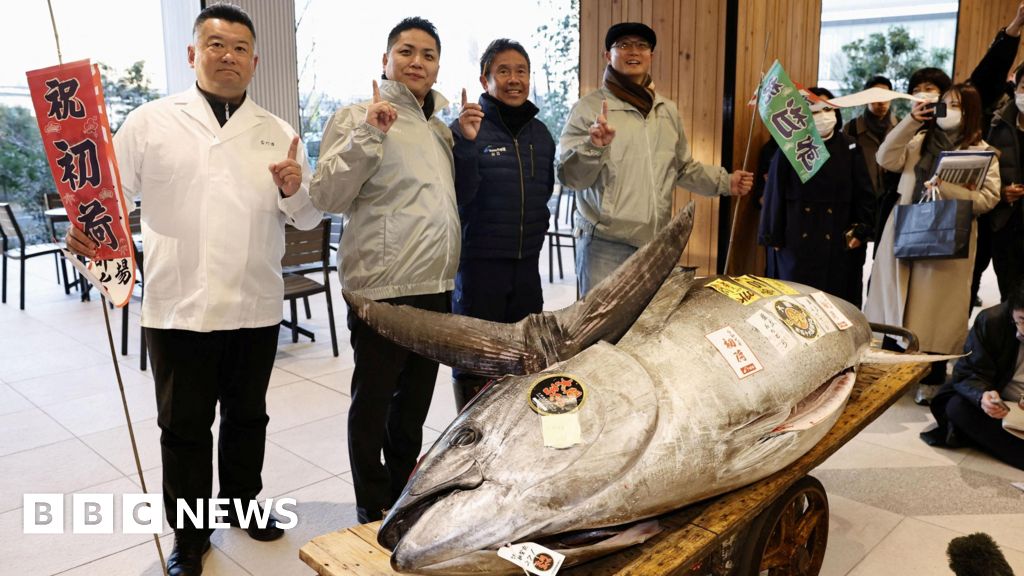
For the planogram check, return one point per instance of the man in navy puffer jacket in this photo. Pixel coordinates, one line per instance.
(504, 176)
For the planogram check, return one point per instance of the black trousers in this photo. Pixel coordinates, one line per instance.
(391, 392)
(499, 290)
(1008, 259)
(985, 431)
(193, 371)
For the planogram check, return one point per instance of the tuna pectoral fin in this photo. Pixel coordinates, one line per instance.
(877, 356)
(539, 340)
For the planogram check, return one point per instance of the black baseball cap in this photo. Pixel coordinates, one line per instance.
(629, 29)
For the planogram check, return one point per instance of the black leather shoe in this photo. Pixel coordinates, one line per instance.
(271, 532)
(186, 558)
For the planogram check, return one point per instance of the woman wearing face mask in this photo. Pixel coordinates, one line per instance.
(930, 297)
(810, 228)
(1007, 218)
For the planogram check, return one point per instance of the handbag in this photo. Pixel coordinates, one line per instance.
(933, 229)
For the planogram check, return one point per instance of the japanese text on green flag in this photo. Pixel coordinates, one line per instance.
(788, 117)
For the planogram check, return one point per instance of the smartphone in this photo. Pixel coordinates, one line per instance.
(939, 110)
(999, 402)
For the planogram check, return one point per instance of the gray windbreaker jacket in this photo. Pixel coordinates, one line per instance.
(397, 194)
(624, 190)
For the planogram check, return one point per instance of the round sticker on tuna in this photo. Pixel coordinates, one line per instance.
(557, 394)
(796, 318)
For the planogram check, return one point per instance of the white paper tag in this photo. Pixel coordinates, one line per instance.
(735, 351)
(561, 430)
(775, 331)
(824, 322)
(533, 558)
(830, 308)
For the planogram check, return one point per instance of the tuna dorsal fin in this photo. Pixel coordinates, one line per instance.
(539, 340)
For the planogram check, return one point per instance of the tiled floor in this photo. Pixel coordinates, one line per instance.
(895, 502)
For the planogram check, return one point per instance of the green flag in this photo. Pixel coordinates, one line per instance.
(788, 117)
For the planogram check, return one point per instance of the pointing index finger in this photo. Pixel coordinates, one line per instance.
(293, 150)
(604, 109)
(376, 92)
(464, 100)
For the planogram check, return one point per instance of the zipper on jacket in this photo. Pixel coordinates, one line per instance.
(650, 171)
(532, 173)
(522, 183)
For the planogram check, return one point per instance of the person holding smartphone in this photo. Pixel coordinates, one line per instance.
(987, 384)
(930, 297)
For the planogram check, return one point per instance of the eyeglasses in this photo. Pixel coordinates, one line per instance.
(630, 45)
(1018, 323)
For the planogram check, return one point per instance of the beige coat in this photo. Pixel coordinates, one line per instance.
(929, 297)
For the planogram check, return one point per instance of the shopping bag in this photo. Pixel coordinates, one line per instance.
(935, 229)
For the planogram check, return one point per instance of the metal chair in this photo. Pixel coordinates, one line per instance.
(303, 249)
(9, 232)
(556, 232)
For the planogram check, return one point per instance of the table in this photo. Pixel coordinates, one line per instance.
(743, 521)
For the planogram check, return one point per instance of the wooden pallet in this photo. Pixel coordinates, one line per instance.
(689, 534)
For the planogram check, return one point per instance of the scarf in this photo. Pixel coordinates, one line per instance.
(514, 117)
(876, 126)
(936, 141)
(639, 96)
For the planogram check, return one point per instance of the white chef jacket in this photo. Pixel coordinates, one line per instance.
(212, 218)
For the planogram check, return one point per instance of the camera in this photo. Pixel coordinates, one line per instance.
(938, 110)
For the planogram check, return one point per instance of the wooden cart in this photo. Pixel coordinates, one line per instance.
(779, 524)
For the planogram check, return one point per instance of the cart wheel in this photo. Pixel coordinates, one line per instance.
(789, 537)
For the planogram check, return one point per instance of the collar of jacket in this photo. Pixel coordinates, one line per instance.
(400, 95)
(194, 104)
(860, 124)
(614, 103)
(493, 110)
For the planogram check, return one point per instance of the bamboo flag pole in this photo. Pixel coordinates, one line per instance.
(746, 153)
(113, 352)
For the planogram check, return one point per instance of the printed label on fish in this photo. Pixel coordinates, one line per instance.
(796, 318)
(557, 394)
(561, 430)
(758, 285)
(775, 331)
(533, 558)
(735, 351)
(824, 322)
(830, 308)
(778, 285)
(738, 293)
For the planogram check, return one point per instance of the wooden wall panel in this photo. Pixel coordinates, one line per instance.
(977, 25)
(688, 68)
(792, 29)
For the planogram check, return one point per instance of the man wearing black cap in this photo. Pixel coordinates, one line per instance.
(624, 151)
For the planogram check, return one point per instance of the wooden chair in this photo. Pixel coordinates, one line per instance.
(557, 233)
(9, 232)
(303, 249)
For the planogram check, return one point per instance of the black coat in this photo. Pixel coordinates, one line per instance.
(990, 363)
(808, 222)
(503, 184)
(1003, 136)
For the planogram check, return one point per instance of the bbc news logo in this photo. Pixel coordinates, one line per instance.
(144, 513)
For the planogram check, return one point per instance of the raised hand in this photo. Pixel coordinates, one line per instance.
(380, 114)
(78, 242)
(287, 173)
(740, 182)
(470, 118)
(601, 133)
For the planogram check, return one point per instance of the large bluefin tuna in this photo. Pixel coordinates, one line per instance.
(717, 383)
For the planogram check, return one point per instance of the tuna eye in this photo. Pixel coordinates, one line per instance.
(464, 437)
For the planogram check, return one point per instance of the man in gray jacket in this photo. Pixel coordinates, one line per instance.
(624, 151)
(387, 166)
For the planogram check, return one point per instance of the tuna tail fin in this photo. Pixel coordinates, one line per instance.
(877, 356)
(494, 349)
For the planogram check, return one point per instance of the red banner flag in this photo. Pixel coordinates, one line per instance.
(68, 101)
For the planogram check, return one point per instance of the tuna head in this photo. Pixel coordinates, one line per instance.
(492, 462)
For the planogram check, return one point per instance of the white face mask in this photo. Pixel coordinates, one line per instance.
(951, 121)
(1019, 97)
(825, 122)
